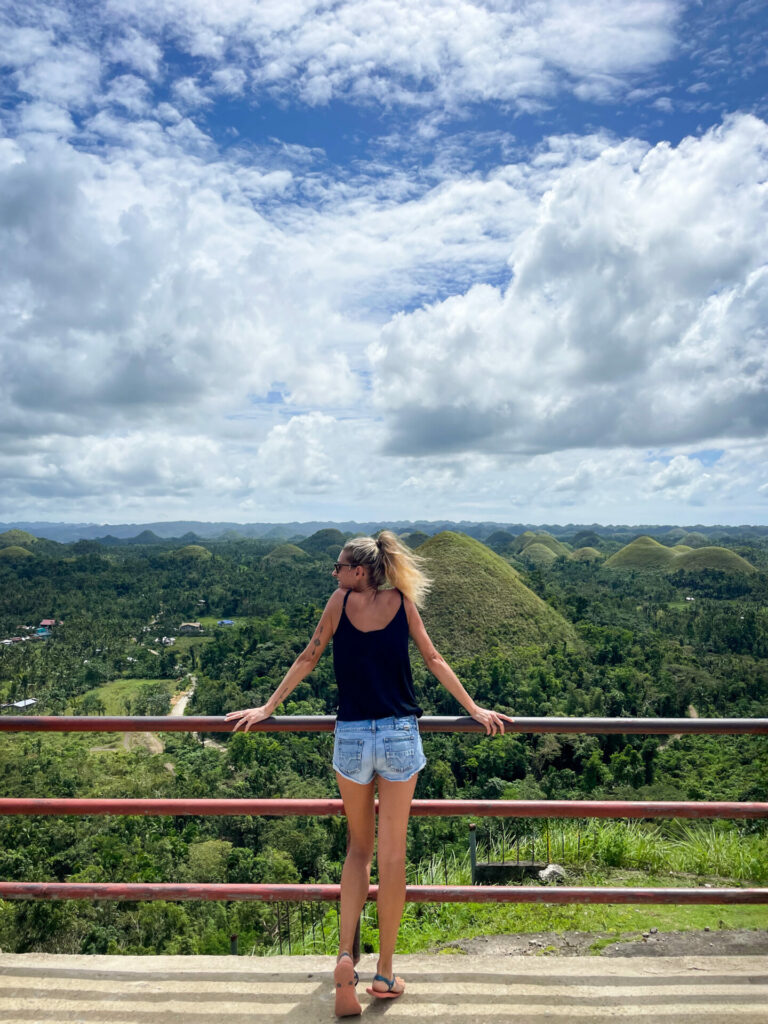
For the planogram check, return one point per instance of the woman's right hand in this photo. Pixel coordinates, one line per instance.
(491, 721)
(248, 717)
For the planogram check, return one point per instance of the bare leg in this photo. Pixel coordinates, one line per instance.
(394, 810)
(356, 874)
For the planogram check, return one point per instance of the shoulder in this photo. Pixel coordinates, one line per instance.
(333, 606)
(411, 611)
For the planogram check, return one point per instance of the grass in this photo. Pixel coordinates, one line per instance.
(678, 855)
(116, 695)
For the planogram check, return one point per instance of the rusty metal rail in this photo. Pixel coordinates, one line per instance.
(429, 723)
(419, 808)
(265, 893)
(415, 893)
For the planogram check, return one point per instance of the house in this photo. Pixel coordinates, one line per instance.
(21, 703)
(49, 623)
(190, 629)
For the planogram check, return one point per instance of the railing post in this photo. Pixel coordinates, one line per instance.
(473, 851)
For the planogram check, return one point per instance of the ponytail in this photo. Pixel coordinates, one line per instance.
(389, 561)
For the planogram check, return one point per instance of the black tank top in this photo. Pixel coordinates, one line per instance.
(373, 670)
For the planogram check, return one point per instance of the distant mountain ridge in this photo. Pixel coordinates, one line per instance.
(481, 530)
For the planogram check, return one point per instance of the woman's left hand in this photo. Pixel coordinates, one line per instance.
(492, 721)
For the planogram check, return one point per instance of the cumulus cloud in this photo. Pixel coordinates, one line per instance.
(419, 52)
(253, 328)
(636, 314)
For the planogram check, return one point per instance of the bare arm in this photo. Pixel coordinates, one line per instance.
(298, 671)
(493, 721)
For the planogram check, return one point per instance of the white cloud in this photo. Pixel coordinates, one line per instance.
(636, 314)
(238, 331)
(420, 52)
(137, 52)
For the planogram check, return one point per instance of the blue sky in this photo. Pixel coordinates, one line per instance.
(384, 258)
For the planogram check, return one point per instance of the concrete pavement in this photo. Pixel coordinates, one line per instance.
(454, 989)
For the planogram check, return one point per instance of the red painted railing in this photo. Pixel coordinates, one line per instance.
(416, 894)
(419, 808)
(429, 723)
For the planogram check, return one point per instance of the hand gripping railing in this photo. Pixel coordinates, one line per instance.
(414, 893)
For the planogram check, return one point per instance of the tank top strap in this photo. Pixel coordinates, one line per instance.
(346, 598)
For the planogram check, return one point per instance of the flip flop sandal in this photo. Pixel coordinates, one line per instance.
(390, 983)
(345, 978)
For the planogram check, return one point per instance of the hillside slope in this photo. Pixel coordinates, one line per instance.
(478, 599)
(642, 553)
(711, 557)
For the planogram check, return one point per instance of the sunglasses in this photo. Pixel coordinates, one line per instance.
(338, 566)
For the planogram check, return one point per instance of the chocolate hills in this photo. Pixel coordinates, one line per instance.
(647, 553)
(478, 600)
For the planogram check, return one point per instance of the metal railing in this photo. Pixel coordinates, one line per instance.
(414, 893)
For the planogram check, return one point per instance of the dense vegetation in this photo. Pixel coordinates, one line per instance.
(534, 636)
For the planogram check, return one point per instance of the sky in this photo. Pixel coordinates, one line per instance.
(384, 259)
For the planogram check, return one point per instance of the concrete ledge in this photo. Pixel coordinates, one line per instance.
(459, 989)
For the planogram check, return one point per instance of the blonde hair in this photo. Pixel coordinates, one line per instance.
(389, 561)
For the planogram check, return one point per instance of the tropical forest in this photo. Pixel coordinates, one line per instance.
(598, 621)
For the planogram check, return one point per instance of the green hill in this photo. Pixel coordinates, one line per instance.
(413, 540)
(193, 553)
(695, 540)
(15, 553)
(145, 537)
(587, 538)
(676, 533)
(647, 553)
(642, 553)
(501, 541)
(712, 558)
(524, 540)
(478, 600)
(286, 554)
(537, 554)
(324, 542)
(16, 538)
(588, 554)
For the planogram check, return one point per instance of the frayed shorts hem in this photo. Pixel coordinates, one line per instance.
(382, 775)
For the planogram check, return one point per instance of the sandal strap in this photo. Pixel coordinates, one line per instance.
(389, 982)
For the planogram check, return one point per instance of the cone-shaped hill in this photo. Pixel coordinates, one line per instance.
(193, 553)
(642, 553)
(711, 557)
(501, 541)
(695, 540)
(478, 600)
(413, 540)
(324, 542)
(646, 553)
(16, 538)
(286, 554)
(525, 540)
(588, 554)
(14, 553)
(537, 554)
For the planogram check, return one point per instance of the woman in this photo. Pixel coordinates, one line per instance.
(377, 744)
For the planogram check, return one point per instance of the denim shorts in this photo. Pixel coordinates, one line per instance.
(389, 747)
